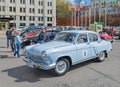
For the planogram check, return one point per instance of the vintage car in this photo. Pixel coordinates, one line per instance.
(67, 49)
(106, 36)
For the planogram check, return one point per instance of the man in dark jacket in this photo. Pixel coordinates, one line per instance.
(8, 36)
(42, 36)
(12, 38)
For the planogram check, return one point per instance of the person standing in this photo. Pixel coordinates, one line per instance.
(18, 42)
(43, 36)
(12, 38)
(8, 36)
(52, 35)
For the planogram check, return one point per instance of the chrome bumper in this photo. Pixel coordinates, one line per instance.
(40, 65)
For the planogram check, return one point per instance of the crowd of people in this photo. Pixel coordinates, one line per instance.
(14, 40)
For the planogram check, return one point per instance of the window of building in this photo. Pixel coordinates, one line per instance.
(0, 8)
(50, 11)
(32, 18)
(24, 10)
(12, 1)
(2, 0)
(40, 24)
(40, 18)
(50, 18)
(22, 1)
(24, 18)
(3, 9)
(47, 18)
(32, 2)
(22, 24)
(41, 3)
(49, 3)
(42, 11)
(10, 9)
(14, 9)
(31, 24)
(31, 10)
(20, 17)
(20, 9)
(38, 10)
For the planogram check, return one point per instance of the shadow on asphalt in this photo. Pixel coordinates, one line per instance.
(25, 73)
(2, 47)
(6, 51)
(83, 64)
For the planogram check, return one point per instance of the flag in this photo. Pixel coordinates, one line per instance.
(105, 3)
(94, 3)
(74, 9)
(99, 4)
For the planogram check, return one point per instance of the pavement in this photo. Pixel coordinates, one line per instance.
(15, 73)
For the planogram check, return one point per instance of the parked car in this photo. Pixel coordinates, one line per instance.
(67, 49)
(119, 35)
(106, 37)
(113, 32)
(31, 31)
(33, 39)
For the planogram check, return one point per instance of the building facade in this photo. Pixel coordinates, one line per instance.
(28, 12)
(96, 12)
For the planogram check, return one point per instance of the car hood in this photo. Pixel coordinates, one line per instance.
(107, 37)
(49, 45)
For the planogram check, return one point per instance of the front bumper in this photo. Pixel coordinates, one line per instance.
(41, 65)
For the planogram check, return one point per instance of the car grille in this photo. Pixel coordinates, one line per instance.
(35, 58)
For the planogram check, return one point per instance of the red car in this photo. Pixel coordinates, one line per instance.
(105, 36)
(113, 32)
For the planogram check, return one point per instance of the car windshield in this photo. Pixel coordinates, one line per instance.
(66, 37)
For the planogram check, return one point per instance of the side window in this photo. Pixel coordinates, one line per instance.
(82, 38)
(93, 37)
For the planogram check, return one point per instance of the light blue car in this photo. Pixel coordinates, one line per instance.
(67, 49)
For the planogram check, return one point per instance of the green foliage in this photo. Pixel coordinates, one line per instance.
(63, 9)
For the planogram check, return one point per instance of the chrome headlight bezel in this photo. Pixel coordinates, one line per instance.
(43, 54)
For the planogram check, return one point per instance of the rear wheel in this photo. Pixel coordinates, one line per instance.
(101, 56)
(62, 66)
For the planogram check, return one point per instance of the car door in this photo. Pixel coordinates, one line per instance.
(94, 43)
(83, 47)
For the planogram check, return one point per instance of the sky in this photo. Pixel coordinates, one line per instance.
(77, 2)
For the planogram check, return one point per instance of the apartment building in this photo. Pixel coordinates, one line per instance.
(27, 12)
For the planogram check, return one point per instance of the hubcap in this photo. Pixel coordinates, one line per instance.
(102, 56)
(61, 67)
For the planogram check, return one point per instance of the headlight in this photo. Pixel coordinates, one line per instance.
(43, 54)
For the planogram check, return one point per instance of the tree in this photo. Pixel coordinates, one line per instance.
(63, 9)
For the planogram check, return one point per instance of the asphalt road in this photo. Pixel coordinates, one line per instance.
(15, 73)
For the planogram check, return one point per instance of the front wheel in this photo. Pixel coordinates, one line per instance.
(62, 66)
(101, 56)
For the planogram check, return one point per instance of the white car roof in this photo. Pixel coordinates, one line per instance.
(79, 31)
